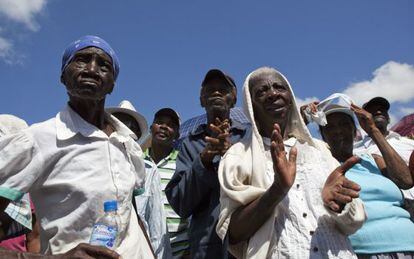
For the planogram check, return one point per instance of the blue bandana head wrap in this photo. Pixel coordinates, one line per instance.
(86, 42)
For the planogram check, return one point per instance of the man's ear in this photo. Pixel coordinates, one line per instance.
(234, 92)
(177, 134)
(62, 80)
(202, 98)
(112, 88)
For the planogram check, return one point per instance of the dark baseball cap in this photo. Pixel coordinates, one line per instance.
(217, 73)
(379, 101)
(168, 112)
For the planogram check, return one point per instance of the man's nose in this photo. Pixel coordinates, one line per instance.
(216, 93)
(92, 66)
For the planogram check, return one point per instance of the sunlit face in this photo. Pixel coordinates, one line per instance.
(271, 97)
(217, 96)
(379, 114)
(164, 130)
(89, 75)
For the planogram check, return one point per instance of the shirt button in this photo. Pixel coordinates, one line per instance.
(304, 215)
(315, 249)
(297, 186)
(311, 232)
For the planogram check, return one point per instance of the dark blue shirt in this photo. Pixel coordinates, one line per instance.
(194, 191)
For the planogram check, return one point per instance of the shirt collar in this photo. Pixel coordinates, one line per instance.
(172, 156)
(393, 134)
(69, 123)
(235, 125)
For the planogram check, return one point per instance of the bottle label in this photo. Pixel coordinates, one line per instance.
(103, 235)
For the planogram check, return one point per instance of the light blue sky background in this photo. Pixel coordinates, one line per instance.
(166, 47)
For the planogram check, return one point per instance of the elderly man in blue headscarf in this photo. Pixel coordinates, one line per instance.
(74, 162)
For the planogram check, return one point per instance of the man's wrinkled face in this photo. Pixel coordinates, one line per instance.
(339, 133)
(271, 97)
(380, 114)
(164, 130)
(217, 96)
(89, 75)
(130, 122)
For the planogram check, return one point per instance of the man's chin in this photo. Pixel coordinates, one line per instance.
(381, 123)
(162, 141)
(218, 109)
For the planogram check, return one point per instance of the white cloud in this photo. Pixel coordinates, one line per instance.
(23, 11)
(393, 118)
(307, 100)
(406, 110)
(393, 80)
(5, 46)
(17, 11)
(6, 49)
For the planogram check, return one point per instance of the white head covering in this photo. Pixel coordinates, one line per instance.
(10, 124)
(242, 170)
(295, 127)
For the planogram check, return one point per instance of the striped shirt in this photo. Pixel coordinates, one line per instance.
(177, 227)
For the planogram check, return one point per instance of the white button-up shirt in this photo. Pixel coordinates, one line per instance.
(303, 228)
(71, 168)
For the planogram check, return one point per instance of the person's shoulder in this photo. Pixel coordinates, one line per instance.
(47, 127)
(240, 126)
(407, 140)
(239, 148)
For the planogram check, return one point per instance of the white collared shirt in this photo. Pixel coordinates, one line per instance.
(71, 168)
(402, 145)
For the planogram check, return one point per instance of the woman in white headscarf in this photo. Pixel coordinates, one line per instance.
(278, 207)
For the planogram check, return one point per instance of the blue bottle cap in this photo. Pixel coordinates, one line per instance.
(110, 206)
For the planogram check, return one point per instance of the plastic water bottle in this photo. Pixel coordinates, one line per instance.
(105, 230)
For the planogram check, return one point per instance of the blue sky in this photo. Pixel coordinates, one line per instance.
(365, 48)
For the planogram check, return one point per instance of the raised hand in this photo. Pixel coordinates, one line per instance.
(284, 169)
(218, 143)
(365, 119)
(311, 107)
(338, 190)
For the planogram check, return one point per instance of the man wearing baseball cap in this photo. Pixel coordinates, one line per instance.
(167, 231)
(194, 189)
(379, 107)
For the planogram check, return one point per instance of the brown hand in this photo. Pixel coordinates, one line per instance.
(338, 190)
(218, 143)
(365, 119)
(285, 170)
(89, 251)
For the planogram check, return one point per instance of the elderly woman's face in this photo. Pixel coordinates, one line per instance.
(339, 133)
(89, 75)
(271, 97)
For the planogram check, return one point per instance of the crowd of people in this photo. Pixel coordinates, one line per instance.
(263, 189)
